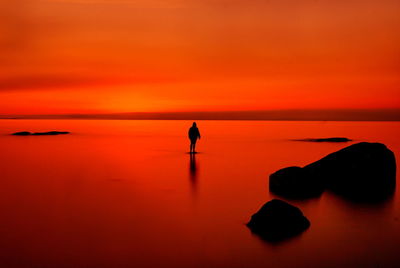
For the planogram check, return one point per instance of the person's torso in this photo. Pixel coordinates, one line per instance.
(193, 132)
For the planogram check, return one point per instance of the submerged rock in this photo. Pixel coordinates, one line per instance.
(22, 133)
(334, 139)
(27, 133)
(51, 133)
(278, 220)
(364, 171)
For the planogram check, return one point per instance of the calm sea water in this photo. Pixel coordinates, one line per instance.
(126, 194)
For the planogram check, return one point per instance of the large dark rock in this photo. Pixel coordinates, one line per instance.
(27, 133)
(278, 220)
(364, 171)
(293, 182)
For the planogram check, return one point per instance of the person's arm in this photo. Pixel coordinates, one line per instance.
(198, 133)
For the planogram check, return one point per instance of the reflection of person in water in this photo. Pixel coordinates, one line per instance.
(194, 134)
(193, 173)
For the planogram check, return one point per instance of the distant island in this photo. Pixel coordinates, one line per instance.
(334, 139)
(50, 133)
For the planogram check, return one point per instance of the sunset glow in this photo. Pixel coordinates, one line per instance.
(199, 133)
(111, 56)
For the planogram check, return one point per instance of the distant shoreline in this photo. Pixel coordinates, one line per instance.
(201, 119)
(270, 115)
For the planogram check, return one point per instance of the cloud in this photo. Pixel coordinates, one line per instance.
(66, 81)
(46, 82)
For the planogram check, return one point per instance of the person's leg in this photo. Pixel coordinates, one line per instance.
(191, 146)
(194, 147)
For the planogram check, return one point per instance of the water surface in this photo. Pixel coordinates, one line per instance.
(126, 194)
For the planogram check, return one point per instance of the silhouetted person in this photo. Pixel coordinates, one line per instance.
(194, 134)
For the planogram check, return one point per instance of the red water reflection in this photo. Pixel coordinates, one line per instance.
(126, 194)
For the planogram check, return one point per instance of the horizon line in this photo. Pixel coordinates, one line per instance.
(390, 114)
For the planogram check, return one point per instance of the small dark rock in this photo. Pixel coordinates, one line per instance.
(22, 133)
(335, 139)
(27, 133)
(51, 133)
(278, 220)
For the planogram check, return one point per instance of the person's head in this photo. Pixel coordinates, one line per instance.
(194, 124)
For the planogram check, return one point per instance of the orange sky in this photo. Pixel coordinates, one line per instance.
(85, 56)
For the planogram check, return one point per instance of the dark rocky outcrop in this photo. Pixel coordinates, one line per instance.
(27, 133)
(363, 171)
(295, 183)
(335, 139)
(278, 220)
(51, 133)
(22, 133)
